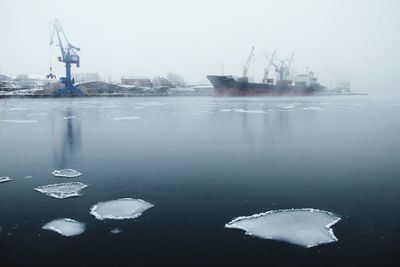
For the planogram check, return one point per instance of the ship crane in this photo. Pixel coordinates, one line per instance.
(69, 56)
(288, 66)
(269, 65)
(247, 65)
(282, 67)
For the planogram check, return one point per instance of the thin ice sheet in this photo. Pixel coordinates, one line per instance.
(63, 190)
(66, 173)
(65, 227)
(303, 227)
(124, 208)
(4, 179)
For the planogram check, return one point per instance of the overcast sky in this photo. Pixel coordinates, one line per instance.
(337, 39)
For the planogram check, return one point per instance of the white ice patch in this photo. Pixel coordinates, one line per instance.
(69, 117)
(66, 173)
(63, 190)
(18, 109)
(250, 111)
(37, 114)
(313, 108)
(116, 230)
(19, 121)
(109, 106)
(123, 208)
(224, 110)
(126, 118)
(65, 227)
(4, 179)
(150, 104)
(303, 227)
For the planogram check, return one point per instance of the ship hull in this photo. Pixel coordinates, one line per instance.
(228, 86)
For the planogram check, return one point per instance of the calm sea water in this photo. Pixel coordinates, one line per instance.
(201, 162)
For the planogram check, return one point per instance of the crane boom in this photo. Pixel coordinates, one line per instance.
(248, 61)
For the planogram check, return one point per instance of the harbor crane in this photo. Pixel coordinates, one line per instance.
(288, 67)
(69, 56)
(269, 65)
(247, 65)
(282, 67)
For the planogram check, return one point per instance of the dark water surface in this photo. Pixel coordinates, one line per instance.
(201, 162)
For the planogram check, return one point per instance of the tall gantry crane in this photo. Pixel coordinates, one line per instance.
(69, 56)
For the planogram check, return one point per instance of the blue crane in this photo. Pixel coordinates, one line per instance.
(69, 56)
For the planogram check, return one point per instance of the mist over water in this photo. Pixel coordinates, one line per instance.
(200, 162)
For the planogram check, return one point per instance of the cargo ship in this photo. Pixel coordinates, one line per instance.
(304, 84)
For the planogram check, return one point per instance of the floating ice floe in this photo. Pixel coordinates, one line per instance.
(66, 173)
(69, 117)
(20, 121)
(28, 176)
(303, 227)
(289, 107)
(313, 108)
(37, 114)
(224, 110)
(65, 227)
(116, 230)
(18, 109)
(123, 208)
(126, 118)
(109, 106)
(63, 190)
(150, 104)
(4, 179)
(250, 111)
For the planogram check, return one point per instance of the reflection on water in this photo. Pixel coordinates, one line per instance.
(66, 150)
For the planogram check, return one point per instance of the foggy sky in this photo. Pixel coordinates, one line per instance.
(352, 39)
